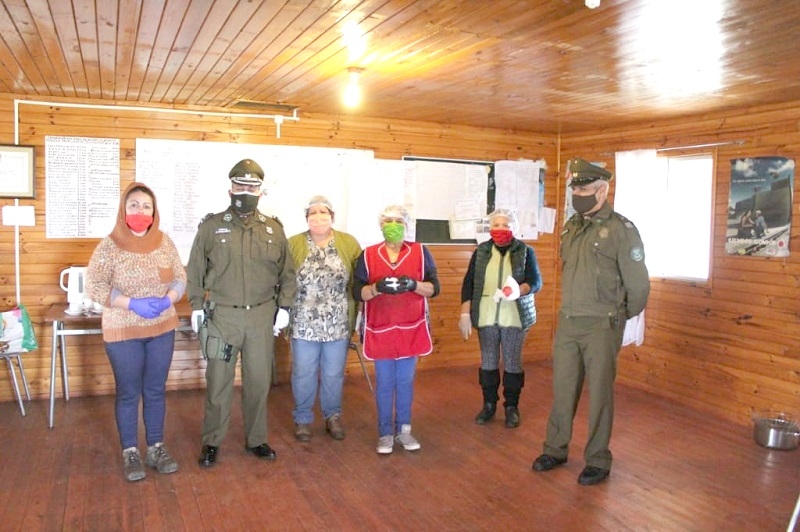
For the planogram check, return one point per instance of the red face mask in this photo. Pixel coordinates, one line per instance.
(502, 237)
(138, 223)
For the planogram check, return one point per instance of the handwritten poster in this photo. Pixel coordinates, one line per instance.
(82, 186)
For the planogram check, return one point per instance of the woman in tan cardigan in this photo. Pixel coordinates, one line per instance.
(137, 274)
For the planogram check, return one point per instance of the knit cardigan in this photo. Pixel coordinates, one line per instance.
(348, 249)
(145, 266)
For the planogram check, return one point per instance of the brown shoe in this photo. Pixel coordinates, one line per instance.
(333, 426)
(302, 432)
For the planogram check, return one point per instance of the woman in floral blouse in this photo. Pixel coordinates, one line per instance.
(323, 318)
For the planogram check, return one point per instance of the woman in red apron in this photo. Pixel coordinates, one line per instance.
(394, 279)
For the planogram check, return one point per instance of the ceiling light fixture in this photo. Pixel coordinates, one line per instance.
(352, 92)
(591, 4)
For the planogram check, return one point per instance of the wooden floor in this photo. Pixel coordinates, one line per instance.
(674, 469)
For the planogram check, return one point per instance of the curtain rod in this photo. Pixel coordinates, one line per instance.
(709, 145)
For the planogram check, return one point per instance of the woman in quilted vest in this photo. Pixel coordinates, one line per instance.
(497, 299)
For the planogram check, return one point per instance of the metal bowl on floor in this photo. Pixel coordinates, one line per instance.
(776, 430)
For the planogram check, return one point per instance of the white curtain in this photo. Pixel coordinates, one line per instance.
(640, 195)
(669, 200)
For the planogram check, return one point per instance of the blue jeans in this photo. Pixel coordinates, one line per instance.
(313, 363)
(394, 385)
(140, 371)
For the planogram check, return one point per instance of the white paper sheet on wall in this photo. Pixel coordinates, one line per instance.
(82, 186)
(517, 187)
(374, 185)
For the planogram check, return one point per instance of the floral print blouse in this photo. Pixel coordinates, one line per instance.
(320, 306)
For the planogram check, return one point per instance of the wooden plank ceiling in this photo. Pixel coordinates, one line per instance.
(536, 65)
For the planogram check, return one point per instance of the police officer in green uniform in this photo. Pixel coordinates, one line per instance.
(604, 282)
(241, 283)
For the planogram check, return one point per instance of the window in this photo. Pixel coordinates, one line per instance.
(669, 199)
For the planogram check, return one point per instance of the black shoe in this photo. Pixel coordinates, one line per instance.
(592, 475)
(546, 462)
(486, 414)
(208, 456)
(512, 417)
(263, 451)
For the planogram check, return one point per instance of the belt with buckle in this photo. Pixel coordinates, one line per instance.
(245, 307)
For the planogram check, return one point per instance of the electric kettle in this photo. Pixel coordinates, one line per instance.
(76, 284)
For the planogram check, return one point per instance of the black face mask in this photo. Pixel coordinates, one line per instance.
(584, 204)
(244, 203)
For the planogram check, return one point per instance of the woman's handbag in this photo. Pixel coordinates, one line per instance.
(527, 310)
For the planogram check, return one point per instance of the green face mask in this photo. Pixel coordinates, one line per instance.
(393, 232)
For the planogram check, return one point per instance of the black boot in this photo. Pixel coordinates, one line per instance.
(489, 379)
(512, 387)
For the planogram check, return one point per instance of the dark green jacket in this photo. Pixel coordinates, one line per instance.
(240, 263)
(603, 271)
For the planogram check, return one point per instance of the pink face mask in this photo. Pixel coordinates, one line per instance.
(138, 223)
(320, 223)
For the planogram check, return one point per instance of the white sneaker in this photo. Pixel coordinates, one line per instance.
(405, 439)
(385, 444)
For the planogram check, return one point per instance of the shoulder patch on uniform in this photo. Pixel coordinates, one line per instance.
(205, 218)
(637, 253)
(277, 220)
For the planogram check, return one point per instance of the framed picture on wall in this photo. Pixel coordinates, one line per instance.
(17, 172)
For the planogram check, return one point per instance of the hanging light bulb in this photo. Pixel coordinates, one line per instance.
(591, 4)
(352, 92)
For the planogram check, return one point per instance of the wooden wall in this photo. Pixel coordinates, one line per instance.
(731, 345)
(725, 347)
(43, 259)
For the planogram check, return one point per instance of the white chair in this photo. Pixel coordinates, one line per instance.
(795, 515)
(9, 358)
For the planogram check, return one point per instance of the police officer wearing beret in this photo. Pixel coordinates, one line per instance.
(604, 282)
(241, 283)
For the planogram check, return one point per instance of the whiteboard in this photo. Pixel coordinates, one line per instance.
(190, 180)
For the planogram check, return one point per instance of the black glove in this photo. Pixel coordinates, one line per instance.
(388, 285)
(406, 284)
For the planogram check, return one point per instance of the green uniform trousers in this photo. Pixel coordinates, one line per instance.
(251, 330)
(584, 347)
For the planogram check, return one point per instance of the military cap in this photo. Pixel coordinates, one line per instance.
(583, 172)
(246, 172)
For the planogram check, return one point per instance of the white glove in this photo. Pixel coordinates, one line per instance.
(198, 316)
(281, 321)
(465, 326)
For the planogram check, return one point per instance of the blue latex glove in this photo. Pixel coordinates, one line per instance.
(162, 303)
(146, 307)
